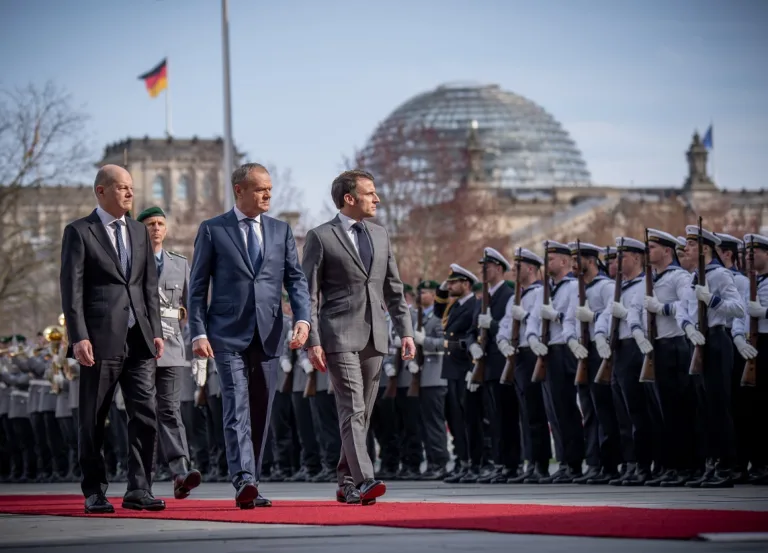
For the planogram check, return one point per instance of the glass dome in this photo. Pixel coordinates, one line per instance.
(524, 146)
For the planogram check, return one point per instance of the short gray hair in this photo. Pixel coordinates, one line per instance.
(346, 183)
(240, 174)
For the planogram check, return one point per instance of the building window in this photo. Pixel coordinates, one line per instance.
(158, 188)
(207, 187)
(182, 189)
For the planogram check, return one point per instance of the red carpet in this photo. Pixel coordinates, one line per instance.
(616, 522)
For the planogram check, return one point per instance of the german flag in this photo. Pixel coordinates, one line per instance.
(156, 79)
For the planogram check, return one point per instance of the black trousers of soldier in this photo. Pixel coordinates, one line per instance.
(384, 430)
(23, 435)
(758, 450)
(673, 387)
(42, 451)
(560, 402)
(473, 412)
(537, 447)
(455, 416)
(196, 430)
(216, 441)
(714, 392)
(281, 424)
(68, 429)
(505, 427)
(433, 431)
(56, 444)
(409, 430)
(5, 449)
(636, 398)
(742, 402)
(326, 417)
(310, 449)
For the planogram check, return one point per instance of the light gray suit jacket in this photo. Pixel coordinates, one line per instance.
(348, 304)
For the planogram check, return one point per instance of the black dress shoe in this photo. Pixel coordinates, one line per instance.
(471, 476)
(697, 482)
(458, 472)
(559, 473)
(183, 484)
(349, 494)
(677, 479)
(656, 481)
(302, 475)
(637, 478)
(371, 489)
(720, 479)
(629, 470)
(520, 476)
(592, 472)
(260, 501)
(324, 475)
(434, 473)
(569, 475)
(246, 493)
(142, 500)
(606, 476)
(540, 472)
(97, 504)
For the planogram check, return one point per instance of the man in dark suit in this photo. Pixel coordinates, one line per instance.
(245, 258)
(110, 301)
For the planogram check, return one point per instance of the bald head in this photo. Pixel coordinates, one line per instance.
(113, 187)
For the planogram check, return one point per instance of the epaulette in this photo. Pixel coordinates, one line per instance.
(176, 254)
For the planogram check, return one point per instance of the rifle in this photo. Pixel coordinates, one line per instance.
(697, 361)
(478, 371)
(648, 372)
(415, 387)
(540, 370)
(287, 387)
(310, 388)
(748, 376)
(605, 372)
(582, 369)
(508, 374)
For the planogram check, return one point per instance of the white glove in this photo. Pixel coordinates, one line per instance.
(484, 320)
(603, 349)
(618, 310)
(285, 364)
(58, 378)
(397, 342)
(579, 351)
(506, 348)
(306, 364)
(518, 313)
(549, 312)
(537, 347)
(199, 371)
(476, 351)
(642, 342)
(703, 294)
(413, 367)
(584, 313)
(756, 310)
(471, 386)
(745, 349)
(696, 337)
(389, 370)
(652, 304)
(418, 336)
(168, 331)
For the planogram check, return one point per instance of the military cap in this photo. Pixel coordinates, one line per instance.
(527, 256)
(407, 288)
(627, 244)
(610, 253)
(758, 240)
(489, 254)
(153, 211)
(681, 243)
(557, 247)
(5, 340)
(586, 249)
(477, 286)
(428, 285)
(285, 295)
(662, 238)
(460, 273)
(728, 241)
(510, 283)
(709, 238)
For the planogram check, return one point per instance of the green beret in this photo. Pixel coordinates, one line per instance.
(477, 286)
(5, 340)
(428, 285)
(285, 295)
(408, 289)
(510, 283)
(19, 338)
(153, 211)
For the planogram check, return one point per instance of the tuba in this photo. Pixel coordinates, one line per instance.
(54, 335)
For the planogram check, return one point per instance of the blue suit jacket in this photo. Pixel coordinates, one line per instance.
(239, 299)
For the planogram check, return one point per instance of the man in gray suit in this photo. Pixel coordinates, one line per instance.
(174, 366)
(353, 279)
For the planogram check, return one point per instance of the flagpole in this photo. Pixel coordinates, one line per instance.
(229, 163)
(712, 151)
(168, 130)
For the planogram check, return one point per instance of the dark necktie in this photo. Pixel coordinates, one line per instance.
(122, 255)
(159, 263)
(254, 248)
(364, 245)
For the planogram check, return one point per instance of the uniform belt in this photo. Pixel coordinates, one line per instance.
(454, 344)
(19, 393)
(168, 313)
(36, 382)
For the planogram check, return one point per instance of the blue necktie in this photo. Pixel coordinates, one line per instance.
(364, 245)
(122, 255)
(159, 263)
(254, 248)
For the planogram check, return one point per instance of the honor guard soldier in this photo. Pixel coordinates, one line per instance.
(281, 422)
(173, 366)
(433, 387)
(537, 447)
(685, 262)
(672, 356)
(756, 245)
(720, 296)
(457, 326)
(601, 427)
(631, 347)
(562, 352)
(610, 259)
(502, 400)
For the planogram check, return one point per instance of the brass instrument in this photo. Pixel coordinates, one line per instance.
(54, 335)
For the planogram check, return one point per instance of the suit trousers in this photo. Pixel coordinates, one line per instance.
(248, 381)
(355, 379)
(171, 434)
(135, 371)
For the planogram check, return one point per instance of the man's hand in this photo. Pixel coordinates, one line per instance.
(316, 356)
(300, 335)
(83, 351)
(409, 348)
(159, 347)
(202, 348)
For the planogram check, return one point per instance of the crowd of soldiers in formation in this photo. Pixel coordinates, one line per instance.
(640, 364)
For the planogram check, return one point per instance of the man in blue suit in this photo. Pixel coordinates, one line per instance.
(246, 258)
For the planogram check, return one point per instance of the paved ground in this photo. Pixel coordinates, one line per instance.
(80, 535)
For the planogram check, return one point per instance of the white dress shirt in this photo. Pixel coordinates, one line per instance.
(243, 225)
(107, 220)
(346, 223)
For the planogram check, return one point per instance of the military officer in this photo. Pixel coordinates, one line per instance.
(173, 366)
